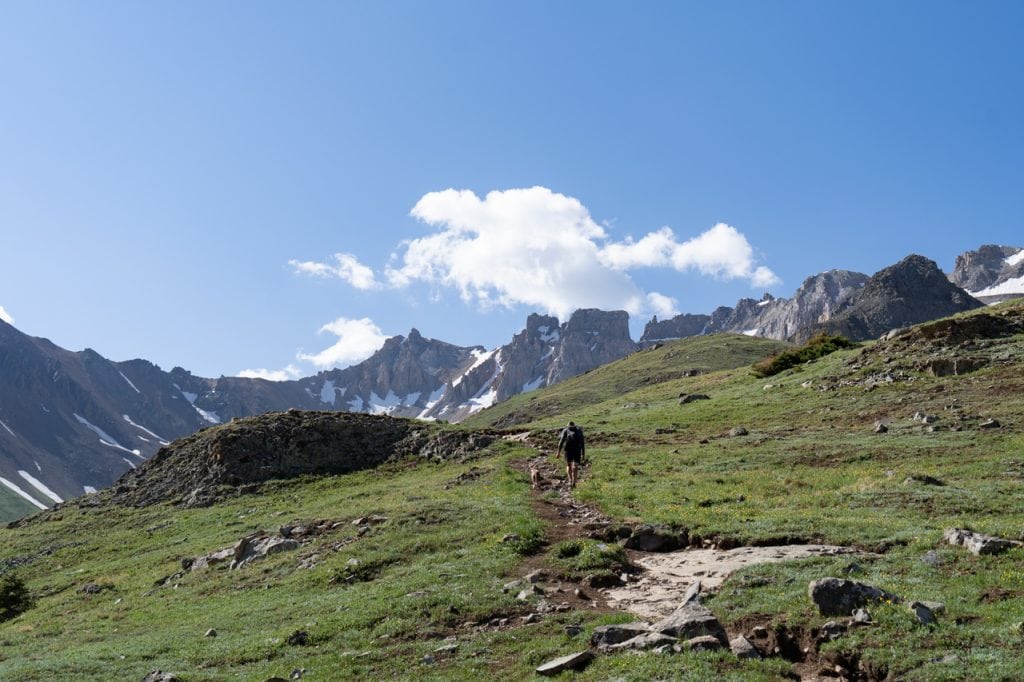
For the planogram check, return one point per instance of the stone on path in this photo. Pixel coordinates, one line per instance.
(570, 662)
(690, 621)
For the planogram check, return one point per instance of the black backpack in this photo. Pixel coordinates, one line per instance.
(574, 439)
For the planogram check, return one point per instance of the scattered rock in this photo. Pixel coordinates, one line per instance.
(743, 647)
(925, 418)
(93, 588)
(298, 638)
(923, 479)
(759, 632)
(531, 591)
(861, 617)
(839, 597)
(652, 539)
(989, 424)
(210, 633)
(831, 630)
(880, 427)
(686, 399)
(690, 621)
(260, 546)
(738, 431)
(923, 614)
(931, 558)
(510, 537)
(644, 642)
(704, 643)
(160, 676)
(575, 661)
(449, 648)
(573, 630)
(977, 543)
(537, 576)
(531, 618)
(608, 635)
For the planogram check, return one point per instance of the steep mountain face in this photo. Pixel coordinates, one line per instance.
(991, 273)
(913, 291)
(776, 318)
(542, 354)
(73, 422)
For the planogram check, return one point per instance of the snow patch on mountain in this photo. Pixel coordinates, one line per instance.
(8, 428)
(160, 439)
(40, 486)
(327, 392)
(1010, 286)
(1016, 258)
(14, 487)
(129, 382)
(89, 490)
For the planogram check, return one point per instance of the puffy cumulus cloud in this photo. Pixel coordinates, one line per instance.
(345, 266)
(722, 252)
(522, 246)
(5, 316)
(286, 374)
(357, 340)
(542, 249)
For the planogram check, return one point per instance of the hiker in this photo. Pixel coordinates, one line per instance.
(575, 450)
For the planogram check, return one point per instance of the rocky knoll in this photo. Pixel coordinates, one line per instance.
(197, 470)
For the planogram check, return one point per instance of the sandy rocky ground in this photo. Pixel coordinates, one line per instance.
(659, 582)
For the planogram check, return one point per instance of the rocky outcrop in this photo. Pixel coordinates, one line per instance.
(991, 273)
(977, 543)
(589, 339)
(910, 292)
(231, 458)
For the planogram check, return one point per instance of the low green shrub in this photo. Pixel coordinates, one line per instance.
(817, 347)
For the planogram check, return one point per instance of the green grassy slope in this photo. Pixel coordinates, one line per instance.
(811, 467)
(666, 363)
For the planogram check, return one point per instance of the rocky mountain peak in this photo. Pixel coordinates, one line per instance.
(911, 291)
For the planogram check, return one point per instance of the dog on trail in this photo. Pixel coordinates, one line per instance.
(535, 478)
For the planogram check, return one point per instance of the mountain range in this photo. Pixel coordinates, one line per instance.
(72, 422)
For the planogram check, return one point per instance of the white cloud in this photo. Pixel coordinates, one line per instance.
(522, 246)
(662, 305)
(541, 249)
(357, 340)
(286, 374)
(5, 316)
(722, 252)
(346, 267)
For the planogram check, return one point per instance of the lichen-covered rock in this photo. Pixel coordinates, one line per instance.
(977, 543)
(690, 621)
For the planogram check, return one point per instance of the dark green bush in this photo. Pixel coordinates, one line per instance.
(817, 347)
(14, 597)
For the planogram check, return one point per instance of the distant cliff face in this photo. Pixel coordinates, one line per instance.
(775, 318)
(991, 273)
(911, 291)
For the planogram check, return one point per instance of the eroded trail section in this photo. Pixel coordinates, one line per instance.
(666, 577)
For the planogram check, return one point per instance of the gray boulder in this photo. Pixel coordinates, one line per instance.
(839, 597)
(607, 635)
(652, 539)
(692, 398)
(571, 662)
(160, 676)
(977, 543)
(690, 621)
(743, 648)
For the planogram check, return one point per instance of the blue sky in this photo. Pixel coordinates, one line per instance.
(176, 178)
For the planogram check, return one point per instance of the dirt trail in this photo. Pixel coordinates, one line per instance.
(656, 590)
